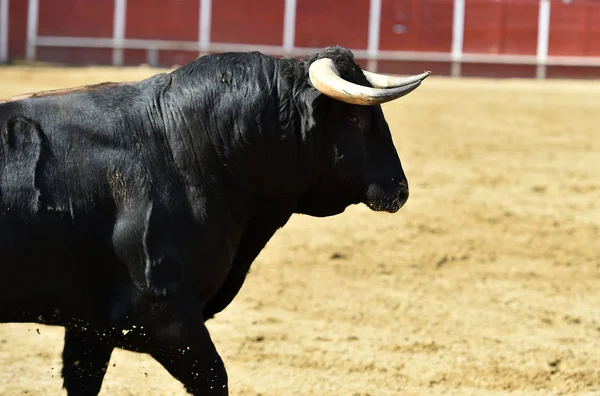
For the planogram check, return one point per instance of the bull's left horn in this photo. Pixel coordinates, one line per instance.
(383, 81)
(325, 77)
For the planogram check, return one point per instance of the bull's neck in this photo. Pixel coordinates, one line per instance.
(266, 178)
(248, 165)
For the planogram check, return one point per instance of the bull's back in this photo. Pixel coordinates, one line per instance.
(59, 150)
(53, 168)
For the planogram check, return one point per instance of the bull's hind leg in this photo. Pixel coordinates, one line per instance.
(85, 360)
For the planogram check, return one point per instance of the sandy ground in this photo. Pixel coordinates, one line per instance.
(486, 283)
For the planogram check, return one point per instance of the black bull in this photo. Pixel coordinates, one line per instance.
(130, 213)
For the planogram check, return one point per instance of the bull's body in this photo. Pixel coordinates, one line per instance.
(131, 213)
(94, 162)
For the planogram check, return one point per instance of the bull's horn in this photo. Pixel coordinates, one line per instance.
(325, 77)
(383, 81)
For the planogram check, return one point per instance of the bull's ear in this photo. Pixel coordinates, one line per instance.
(315, 98)
(310, 104)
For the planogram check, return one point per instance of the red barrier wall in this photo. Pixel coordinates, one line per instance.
(323, 22)
(575, 28)
(490, 27)
(241, 21)
(88, 18)
(416, 25)
(171, 20)
(17, 29)
(501, 27)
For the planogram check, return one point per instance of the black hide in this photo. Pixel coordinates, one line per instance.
(130, 213)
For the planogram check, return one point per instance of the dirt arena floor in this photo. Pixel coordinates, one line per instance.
(486, 283)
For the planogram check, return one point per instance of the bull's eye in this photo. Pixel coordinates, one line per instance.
(353, 120)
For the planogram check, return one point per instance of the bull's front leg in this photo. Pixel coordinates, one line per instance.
(155, 247)
(184, 347)
(85, 360)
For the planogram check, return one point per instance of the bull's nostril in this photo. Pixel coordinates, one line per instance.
(400, 180)
(403, 195)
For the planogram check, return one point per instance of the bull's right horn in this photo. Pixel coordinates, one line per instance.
(325, 77)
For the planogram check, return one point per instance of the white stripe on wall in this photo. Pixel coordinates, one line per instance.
(408, 56)
(543, 38)
(374, 28)
(458, 32)
(32, 27)
(3, 31)
(152, 57)
(289, 26)
(119, 15)
(204, 26)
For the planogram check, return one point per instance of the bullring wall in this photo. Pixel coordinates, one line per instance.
(499, 38)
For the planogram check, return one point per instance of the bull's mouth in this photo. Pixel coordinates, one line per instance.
(389, 207)
(390, 202)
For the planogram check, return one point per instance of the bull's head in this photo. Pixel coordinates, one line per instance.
(360, 161)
